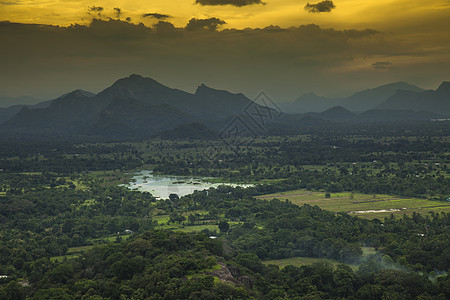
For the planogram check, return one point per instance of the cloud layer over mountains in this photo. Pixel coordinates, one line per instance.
(44, 60)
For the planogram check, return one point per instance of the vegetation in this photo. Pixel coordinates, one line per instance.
(70, 232)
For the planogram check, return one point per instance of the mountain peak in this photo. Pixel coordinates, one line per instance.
(444, 87)
(202, 89)
(134, 86)
(135, 76)
(77, 94)
(337, 109)
(135, 80)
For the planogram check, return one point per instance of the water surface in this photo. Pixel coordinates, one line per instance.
(161, 186)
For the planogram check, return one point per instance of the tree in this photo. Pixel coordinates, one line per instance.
(12, 291)
(174, 197)
(224, 226)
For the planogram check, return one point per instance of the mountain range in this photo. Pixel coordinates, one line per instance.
(358, 102)
(142, 107)
(132, 106)
(21, 100)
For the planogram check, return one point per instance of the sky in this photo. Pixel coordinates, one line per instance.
(283, 47)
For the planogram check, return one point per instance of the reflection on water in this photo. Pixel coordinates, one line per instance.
(161, 186)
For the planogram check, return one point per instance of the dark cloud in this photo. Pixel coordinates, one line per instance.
(285, 61)
(204, 24)
(117, 12)
(322, 6)
(166, 29)
(238, 3)
(382, 65)
(95, 10)
(156, 16)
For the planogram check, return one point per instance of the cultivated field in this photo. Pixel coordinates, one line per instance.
(300, 261)
(362, 205)
(303, 261)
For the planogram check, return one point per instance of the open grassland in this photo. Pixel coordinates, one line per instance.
(75, 252)
(302, 261)
(366, 206)
(64, 257)
(161, 219)
(197, 228)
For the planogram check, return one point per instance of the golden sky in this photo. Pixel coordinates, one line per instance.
(357, 44)
(285, 13)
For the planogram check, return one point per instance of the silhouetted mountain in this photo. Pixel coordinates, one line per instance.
(78, 93)
(335, 114)
(196, 131)
(142, 105)
(437, 101)
(10, 112)
(21, 102)
(360, 101)
(64, 114)
(338, 113)
(142, 119)
(206, 103)
(310, 102)
(396, 116)
(219, 102)
(370, 98)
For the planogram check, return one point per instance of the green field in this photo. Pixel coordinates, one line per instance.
(64, 257)
(161, 219)
(362, 205)
(75, 252)
(303, 261)
(197, 228)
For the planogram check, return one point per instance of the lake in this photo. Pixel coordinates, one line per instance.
(161, 186)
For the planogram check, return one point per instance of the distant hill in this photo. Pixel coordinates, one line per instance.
(21, 100)
(138, 107)
(310, 102)
(143, 120)
(134, 106)
(338, 113)
(370, 98)
(10, 112)
(358, 102)
(78, 92)
(396, 116)
(437, 101)
(64, 114)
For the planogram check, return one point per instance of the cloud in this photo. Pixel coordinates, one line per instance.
(95, 10)
(382, 65)
(166, 29)
(322, 6)
(238, 3)
(204, 24)
(157, 16)
(117, 12)
(9, 3)
(286, 62)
